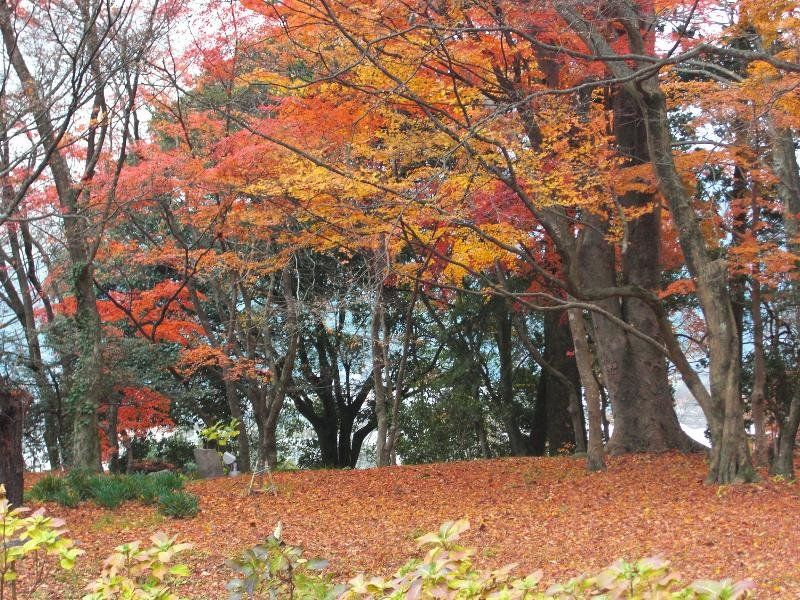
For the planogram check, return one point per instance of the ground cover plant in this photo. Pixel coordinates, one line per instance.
(110, 491)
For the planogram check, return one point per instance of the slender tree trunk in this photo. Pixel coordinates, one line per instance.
(282, 378)
(730, 456)
(242, 443)
(379, 353)
(758, 396)
(595, 460)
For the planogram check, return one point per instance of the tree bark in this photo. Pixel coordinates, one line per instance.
(785, 165)
(634, 372)
(86, 390)
(595, 460)
(730, 456)
(12, 417)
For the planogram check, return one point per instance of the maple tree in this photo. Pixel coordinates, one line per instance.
(300, 208)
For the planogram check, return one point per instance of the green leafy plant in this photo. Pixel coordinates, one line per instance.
(277, 570)
(32, 540)
(220, 435)
(82, 481)
(133, 572)
(179, 505)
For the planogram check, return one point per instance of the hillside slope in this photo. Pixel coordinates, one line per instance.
(546, 513)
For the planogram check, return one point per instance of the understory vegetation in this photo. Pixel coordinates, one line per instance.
(110, 491)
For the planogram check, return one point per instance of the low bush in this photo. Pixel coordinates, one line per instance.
(141, 573)
(178, 505)
(66, 497)
(50, 488)
(110, 492)
(81, 482)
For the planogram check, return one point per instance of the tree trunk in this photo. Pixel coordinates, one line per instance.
(634, 372)
(86, 390)
(784, 161)
(595, 460)
(758, 398)
(270, 407)
(12, 465)
(242, 443)
(379, 366)
(730, 456)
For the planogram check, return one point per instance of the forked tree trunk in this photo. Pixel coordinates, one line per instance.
(87, 389)
(730, 456)
(634, 372)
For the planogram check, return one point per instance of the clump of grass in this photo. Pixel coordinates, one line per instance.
(49, 488)
(154, 486)
(110, 491)
(178, 505)
(82, 481)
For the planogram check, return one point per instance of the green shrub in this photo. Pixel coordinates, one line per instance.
(153, 486)
(81, 481)
(167, 480)
(110, 492)
(49, 488)
(179, 505)
(66, 497)
(276, 570)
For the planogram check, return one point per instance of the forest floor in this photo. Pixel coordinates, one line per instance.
(546, 513)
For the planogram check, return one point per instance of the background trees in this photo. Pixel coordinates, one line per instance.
(511, 225)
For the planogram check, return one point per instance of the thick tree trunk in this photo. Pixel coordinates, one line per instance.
(634, 372)
(730, 457)
(783, 463)
(12, 465)
(784, 159)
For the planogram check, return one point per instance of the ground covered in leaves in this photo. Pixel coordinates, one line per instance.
(546, 513)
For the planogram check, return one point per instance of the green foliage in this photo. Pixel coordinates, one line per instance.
(49, 489)
(276, 570)
(82, 481)
(66, 497)
(175, 450)
(179, 505)
(144, 574)
(108, 491)
(32, 540)
(221, 435)
(111, 492)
